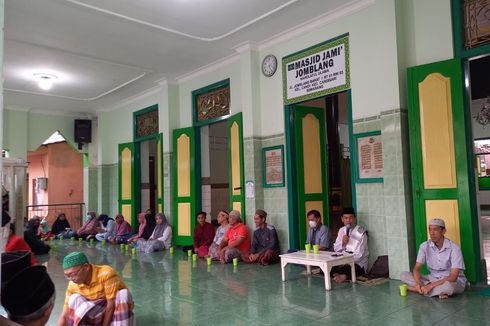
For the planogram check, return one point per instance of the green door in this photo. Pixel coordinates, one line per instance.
(159, 173)
(310, 145)
(439, 157)
(126, 202)
(184, 189)
(235, 148)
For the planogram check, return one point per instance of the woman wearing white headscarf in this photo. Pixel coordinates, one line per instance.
(161, 237)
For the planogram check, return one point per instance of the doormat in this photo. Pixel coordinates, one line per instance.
(484, 292)
(371, 281)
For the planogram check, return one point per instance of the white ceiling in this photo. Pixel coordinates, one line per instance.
(104, 51)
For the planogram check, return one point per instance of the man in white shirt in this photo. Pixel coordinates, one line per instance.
(352, 239)
(444, 261)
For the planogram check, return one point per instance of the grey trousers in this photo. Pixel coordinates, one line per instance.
(232, 253)
(448, 288)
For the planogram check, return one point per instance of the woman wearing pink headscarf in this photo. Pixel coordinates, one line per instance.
(89, 228)
(122, 231)
(142, 222)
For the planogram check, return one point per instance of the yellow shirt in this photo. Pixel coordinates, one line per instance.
(104, 283)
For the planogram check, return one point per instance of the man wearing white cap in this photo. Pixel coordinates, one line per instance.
(444, 261)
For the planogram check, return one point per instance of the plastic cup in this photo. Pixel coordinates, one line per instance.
(72, 238)
(307, 248)
(194, 257)
(316, 248)
(91, 240)
(133, 251)
(103, 242)
(126, 247)
(189, 252)
(209, 260)
(235, 261)
(171, 250)
(403, 290)
(80, 240)
(121, 246)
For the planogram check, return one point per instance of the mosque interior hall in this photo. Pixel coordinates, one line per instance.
(212, 162)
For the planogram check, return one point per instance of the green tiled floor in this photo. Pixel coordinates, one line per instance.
(172, 290)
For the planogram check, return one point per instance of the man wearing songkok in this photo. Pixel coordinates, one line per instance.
(445, 262)
(236, 241)
(352, 239)
(318, 234)
(265, 245)
(28, 297)
(96, 295)
(219, 235)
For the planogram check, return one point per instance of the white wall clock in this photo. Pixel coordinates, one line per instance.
(269, 65)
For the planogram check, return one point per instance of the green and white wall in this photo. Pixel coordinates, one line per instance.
(386, 36)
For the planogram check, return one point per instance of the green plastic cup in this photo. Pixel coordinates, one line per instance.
(126, 247)
(316, 248)
(91, 240)
(72, 238)
(103, 242)
(307, 248)
(171, 250)
(235, 261)
(194, 257)
(189, 252)
(403, 290)
(80, 240)
(133, 251)
(209, 260)
(121, 246)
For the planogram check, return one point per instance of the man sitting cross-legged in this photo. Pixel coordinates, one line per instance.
(444, 261)
(265, 245)
(96, 295)
(236, 241)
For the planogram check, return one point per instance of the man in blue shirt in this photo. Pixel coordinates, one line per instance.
(318, 234)
(444, 261)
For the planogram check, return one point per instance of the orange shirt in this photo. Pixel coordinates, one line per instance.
(239, 231)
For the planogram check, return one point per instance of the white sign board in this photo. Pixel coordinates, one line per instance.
(318, 71)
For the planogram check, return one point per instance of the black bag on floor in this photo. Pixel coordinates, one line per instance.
(380, 268)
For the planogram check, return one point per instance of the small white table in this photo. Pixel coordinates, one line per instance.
(324, 259)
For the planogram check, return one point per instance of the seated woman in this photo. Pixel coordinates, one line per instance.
(89, 228)
(30, 236)
(150, 223)
(106, 229)
(61, 227)
(203, 235)
(14, 242)
(142, 223)
(161, 237)
(44, 232)
(122, 231)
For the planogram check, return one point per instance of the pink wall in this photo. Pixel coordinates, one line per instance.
(64, 170)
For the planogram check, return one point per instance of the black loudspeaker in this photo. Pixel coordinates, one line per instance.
(83, 131)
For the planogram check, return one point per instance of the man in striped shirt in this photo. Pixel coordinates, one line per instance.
(96, 295)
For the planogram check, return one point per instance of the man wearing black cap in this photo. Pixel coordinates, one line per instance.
(352, 239)
(29, 296)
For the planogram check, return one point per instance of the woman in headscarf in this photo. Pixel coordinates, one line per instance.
(149, 226)
(122, 231)
(106, 230)
(61, 227)
(44, 232)
(142, 223)
(30, 236)
(161, 237)
(89, 228)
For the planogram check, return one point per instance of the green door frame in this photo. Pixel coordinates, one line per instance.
(291, 168)
(465, 190)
